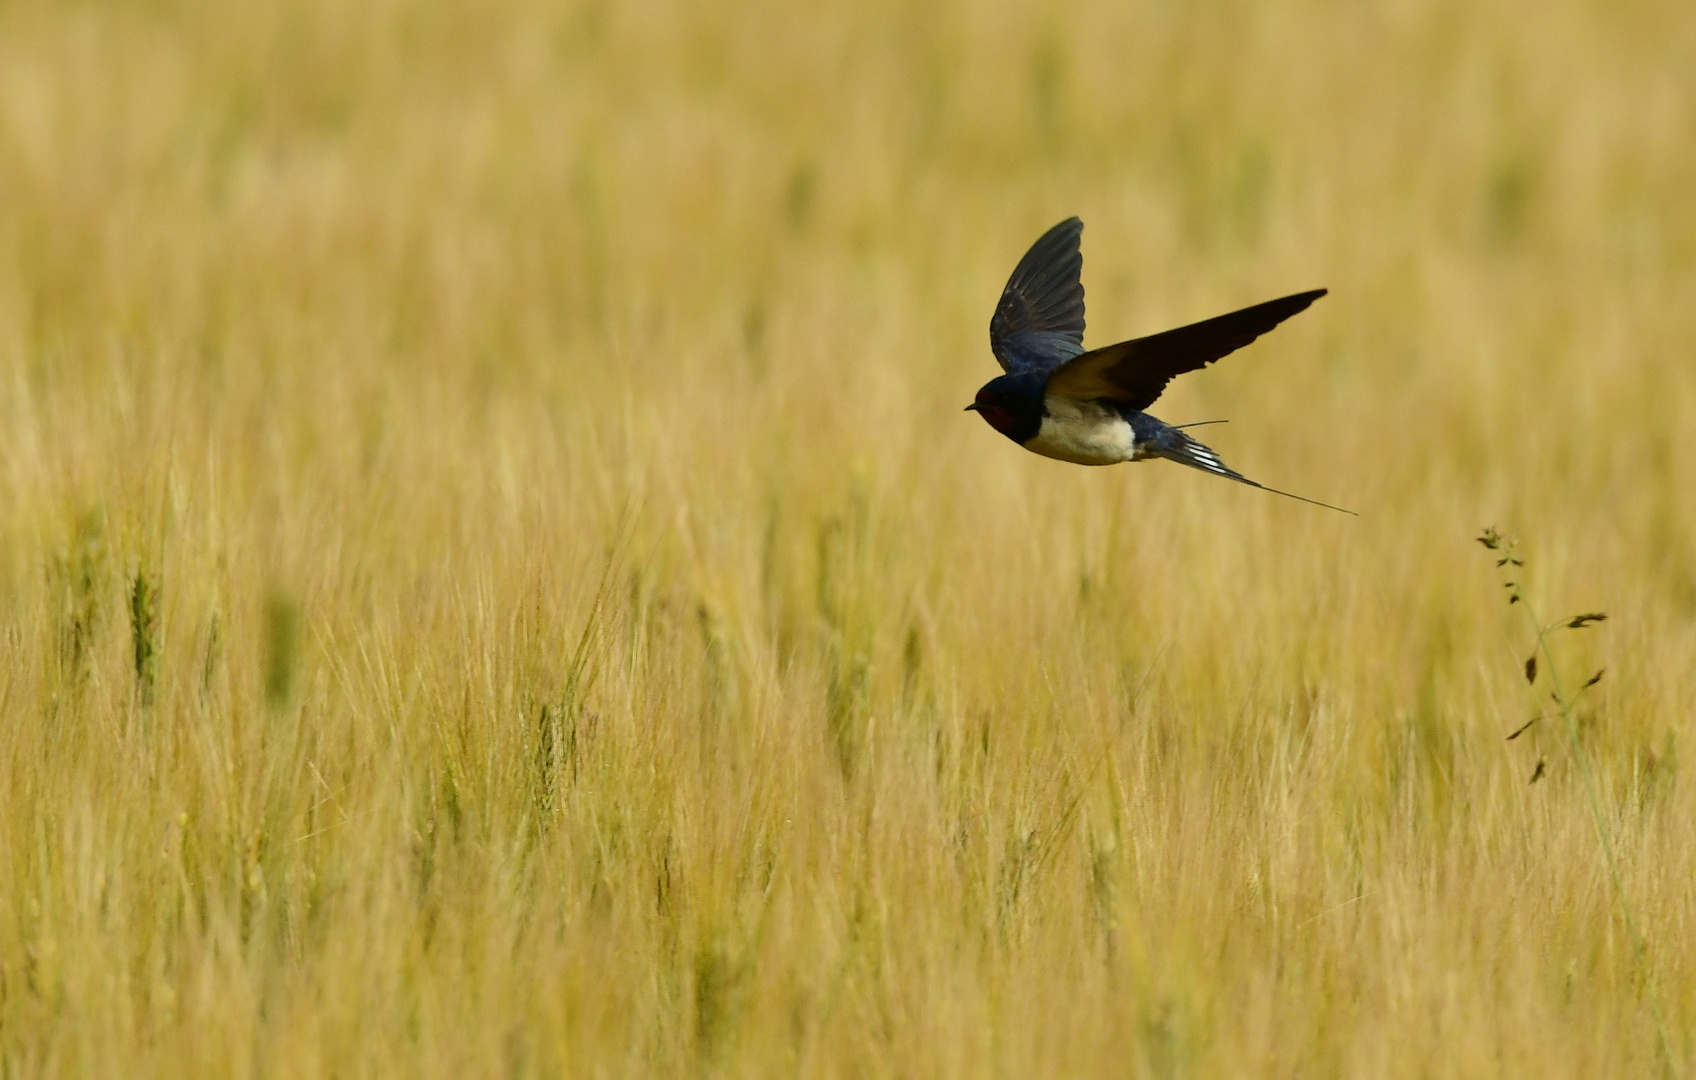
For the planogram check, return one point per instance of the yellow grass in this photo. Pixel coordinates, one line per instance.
(580, 634)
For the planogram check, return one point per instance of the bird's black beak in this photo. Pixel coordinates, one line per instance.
(973, 407)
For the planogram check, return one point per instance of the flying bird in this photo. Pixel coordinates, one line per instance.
(1087, 407)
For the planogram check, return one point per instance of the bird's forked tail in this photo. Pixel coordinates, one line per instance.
(1174, 445)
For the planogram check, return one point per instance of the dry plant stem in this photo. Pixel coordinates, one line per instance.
(1639, 947)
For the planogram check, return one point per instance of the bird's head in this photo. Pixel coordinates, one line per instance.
(1012, 405)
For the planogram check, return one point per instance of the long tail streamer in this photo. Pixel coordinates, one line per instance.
(1187, 451)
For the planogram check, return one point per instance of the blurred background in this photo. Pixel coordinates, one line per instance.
(494, 574)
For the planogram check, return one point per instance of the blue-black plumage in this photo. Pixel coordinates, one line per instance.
(1086, 407)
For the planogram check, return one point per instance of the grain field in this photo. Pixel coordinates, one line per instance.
(495, 579)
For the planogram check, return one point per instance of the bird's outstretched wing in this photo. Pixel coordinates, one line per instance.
(1135, 372)
(1039, 323)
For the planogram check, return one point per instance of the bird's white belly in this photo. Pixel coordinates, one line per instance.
(1084, 433)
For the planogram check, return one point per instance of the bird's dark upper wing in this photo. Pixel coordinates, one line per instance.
(1135, 372)
(1039, 323)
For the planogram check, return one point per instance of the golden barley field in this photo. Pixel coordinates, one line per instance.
(495, 579)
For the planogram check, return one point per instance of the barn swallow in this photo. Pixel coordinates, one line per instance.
(1087, 407)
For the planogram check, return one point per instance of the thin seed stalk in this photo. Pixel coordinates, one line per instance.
(1640, 951)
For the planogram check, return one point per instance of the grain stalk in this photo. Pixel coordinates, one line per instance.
(1509, 561)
